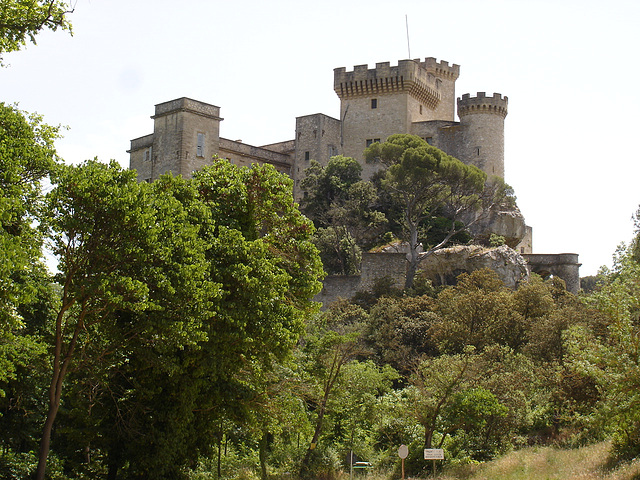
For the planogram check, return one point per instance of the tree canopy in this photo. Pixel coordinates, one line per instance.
(21, 21)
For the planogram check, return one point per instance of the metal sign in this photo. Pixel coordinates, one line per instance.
(433, 454)
(403, 451)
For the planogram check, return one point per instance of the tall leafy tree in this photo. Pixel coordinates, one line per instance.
(27, 155)
(120, 249)
(611, 357)
(429, 183)
(265, 270)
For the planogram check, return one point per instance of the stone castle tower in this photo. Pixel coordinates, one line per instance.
(416, 97)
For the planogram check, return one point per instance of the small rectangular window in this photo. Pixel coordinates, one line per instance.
(374, 103)
(307, 156)
(147, 154)
(200, 145)
(429, 140)
(369, 142)
(376, 140)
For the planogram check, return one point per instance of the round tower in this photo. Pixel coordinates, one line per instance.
(482, 119)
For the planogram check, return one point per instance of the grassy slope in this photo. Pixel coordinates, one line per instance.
(588, 463)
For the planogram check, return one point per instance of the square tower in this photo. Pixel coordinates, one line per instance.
(378, 102)
(186, 135)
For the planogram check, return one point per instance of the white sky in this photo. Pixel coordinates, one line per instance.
(570, 70)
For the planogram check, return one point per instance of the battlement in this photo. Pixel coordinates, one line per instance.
(497, 104)
(185, 104)
(441, 69)
(420, 79)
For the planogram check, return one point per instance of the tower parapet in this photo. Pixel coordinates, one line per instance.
(420, 79)
(497, 104)
(442, 68)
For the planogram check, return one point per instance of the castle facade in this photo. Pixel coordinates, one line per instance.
(416, 97)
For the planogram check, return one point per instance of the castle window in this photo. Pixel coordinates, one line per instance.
(200, 145)
(374, 103)
(369, 142)
(429, 140)
(478, 151)
(307, 155)
(333, 151)
(420, 109)
(147, 154)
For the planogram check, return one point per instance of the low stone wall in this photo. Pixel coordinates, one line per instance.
(446, 264)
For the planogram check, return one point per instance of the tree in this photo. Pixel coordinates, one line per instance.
(611, 358)
(21, 21)
(263, 271)
(478, 311)
(429, 183)
(333, 340)
(27, 155)
(341, 206)
(120, 249)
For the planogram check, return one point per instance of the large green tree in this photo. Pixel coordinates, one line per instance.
(27, 155)
(22, 20)
(120, 249)
(429, 183)
(261, 270)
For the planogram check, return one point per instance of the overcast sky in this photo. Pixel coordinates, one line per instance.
(570, 70)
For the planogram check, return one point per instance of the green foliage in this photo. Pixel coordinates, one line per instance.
(21, 21)
(496, 240)
(612, 360)
(426, 181)
(26, 157)
(343, 208)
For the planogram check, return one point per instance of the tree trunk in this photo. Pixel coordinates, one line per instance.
(263, 456)
(412, 268)
(45, 442)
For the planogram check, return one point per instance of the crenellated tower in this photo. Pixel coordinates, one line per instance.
(381, 101)
(482, 133)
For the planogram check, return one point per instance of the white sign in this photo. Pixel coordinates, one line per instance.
(403, 451)
(433, 454)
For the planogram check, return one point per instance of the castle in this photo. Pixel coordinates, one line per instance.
(415, 97)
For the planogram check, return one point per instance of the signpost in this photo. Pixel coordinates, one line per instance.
(403, 452)
(434, 454)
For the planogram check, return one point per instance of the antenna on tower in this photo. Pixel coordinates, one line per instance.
(406, 21)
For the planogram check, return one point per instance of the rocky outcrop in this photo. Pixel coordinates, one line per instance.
(509, 223)
(444, 265)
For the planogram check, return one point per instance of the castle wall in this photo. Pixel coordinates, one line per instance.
(374, 266)
(141, 157)
(244, 155)
(563, 265)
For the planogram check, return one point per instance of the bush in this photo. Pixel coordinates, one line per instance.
(320, 464)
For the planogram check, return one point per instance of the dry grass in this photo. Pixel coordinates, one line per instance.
(588, 463)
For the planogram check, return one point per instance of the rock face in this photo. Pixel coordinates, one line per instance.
(443, 266)
(509, 223)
